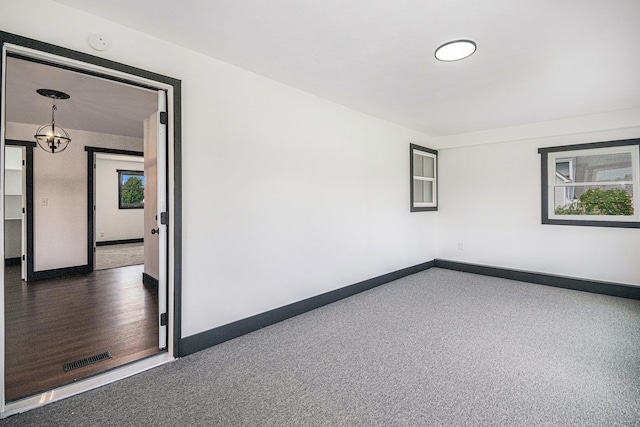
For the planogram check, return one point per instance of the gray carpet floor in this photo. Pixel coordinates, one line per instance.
(113, 256)
(439, 348)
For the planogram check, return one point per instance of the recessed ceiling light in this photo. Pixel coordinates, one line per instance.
(455, 50)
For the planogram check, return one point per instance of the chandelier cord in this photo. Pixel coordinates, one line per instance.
(53, 117)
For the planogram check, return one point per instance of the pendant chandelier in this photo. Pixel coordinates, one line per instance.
(52, 138)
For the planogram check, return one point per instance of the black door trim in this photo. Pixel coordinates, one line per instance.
(175, 127)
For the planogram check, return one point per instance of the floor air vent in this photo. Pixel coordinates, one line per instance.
(86, 361)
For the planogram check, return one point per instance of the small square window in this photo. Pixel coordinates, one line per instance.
(424, 176)
(592, 184)
(130, 189)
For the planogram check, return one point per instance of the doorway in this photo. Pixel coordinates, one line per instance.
(33, 365)
(14, 200)
(77, 269)
(18, 202)
(119, 200)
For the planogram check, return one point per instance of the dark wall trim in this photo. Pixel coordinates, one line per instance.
(84, 57)
(114, 151)
(206, 339)
(614, 224)
(150, 281)
(119, 242)
(174, 126)
(589, 145)
(12, 261)
(58, 273)
(224, 333)
(29, 146)
(16, 142)
(604, 288)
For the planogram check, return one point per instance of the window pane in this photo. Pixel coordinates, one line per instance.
(422, 191)
(137, 177)
(595, 168)
(132, 197)
(418, 169)
(423, 166)
(428, 166)
(594, 200)
(564, 171)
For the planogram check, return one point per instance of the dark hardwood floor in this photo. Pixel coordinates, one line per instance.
(52, 322)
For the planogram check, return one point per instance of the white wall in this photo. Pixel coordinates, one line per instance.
(113, 223)
(490, 201)
(60, 195)
(285, 195)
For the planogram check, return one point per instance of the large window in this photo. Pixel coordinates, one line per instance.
(591, 184)
(130, 189)
(424, 177)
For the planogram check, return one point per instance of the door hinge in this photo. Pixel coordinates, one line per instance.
(23, 163)
(24, 258)
(164, 218)
(163, 117)
(164, 319)
(23, 211)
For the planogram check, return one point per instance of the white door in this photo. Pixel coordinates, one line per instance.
(162, 219)
(155, 206)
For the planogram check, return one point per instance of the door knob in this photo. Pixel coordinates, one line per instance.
(155, 231)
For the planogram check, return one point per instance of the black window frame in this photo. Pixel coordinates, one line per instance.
(544, 161)
(120, 184)
(413, 207)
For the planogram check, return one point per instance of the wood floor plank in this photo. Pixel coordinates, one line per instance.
(53, 322)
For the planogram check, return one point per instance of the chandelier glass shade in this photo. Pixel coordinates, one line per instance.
(52, 138)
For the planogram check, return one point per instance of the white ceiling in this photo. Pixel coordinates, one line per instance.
(95, 105)
(537, 60)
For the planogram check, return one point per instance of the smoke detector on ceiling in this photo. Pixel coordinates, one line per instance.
(99, 42)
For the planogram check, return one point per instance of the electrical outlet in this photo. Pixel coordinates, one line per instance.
(460, 246)
(102, 234)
